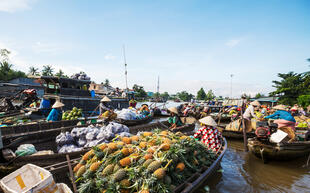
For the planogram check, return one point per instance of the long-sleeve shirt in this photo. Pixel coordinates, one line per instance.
(280, 114)
(55, 115)
(103, 108)
(249, 113)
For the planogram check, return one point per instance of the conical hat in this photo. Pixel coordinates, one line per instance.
(294, 108)
(173, 110)
(208, 121)
(280, 107)
(105, 99)
(57, 104)
(255, 103)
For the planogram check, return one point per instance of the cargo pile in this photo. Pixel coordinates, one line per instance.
(302, 121)
(144, 163)
(85, 137)
(80, 76)
(129, 114)
(74, 114)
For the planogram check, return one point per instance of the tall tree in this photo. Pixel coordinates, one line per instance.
(6, 71)
(33, 71)
(60, 73)
(140, 92)
(165, 95)
(184, 96)
(290, 87)
(47, 70)
(201, 94)
(106, 83)
(210, 95)
(259, 95)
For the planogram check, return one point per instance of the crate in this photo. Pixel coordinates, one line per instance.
(29, 179)
(63, 188)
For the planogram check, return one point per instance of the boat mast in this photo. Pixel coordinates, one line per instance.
(125, 68)
(158, 89)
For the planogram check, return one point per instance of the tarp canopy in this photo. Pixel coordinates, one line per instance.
(232, 102)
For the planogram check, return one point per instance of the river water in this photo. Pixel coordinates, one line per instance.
(242, 172)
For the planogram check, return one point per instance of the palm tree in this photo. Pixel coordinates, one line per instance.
(47, 70)
(33, 71)
(60, 73)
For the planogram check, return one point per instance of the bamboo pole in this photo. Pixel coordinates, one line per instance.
(71, 174)
(245, 140)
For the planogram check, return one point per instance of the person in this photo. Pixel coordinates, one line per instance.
(145, 110)
(249, 112)
(103, 107)
(209, 134)
(294, 110)
(132, 103)
(284, 118)
(45, 105)
(174, 118)
(105, 111)
(55, 114)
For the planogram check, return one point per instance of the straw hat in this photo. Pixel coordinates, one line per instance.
(208, 121)
(280, 107)
(173, 110)
(105, 99)
(57, 104)
(255, 103)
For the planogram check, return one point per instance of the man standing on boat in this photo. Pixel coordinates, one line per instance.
(55, 114)
(249, 113)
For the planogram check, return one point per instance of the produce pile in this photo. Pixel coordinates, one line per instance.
(302, 121)
(129, 114)
(156, 161)
(80, 76)
(74, 114)
(85, 137)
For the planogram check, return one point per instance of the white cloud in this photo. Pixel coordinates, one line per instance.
(50, 48)
(233, 42)
(109, 57)
(12, 6)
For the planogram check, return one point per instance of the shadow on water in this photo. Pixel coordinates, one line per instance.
(243, 172)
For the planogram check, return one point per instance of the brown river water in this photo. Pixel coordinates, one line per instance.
(242, 172)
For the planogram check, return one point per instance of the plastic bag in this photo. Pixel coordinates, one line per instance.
(69, 148)
(25, 149)
(64, 138)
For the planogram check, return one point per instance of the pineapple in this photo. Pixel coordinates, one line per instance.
(151, 149)
(134, 138)
(116, 168)
(165, 146)
(147, 134)
(119, 175)
(154, 166)
(160, 173)
(142, 144)
(125, 151)
(147, 163)
(102, 146)
(125, 183)
(88, 155)
(120, 144)
(77, 167)
(112, 146)
(94, 166)
(148, 156)
(164, 133)
(125, 161)
(108, 170)
(126, 140)
(81, 171)
(180, 166)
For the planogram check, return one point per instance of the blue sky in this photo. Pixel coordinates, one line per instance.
(189, 44)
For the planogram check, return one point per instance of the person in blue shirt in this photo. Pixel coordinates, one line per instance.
(45, 105)
(55, 114)
(284, 118)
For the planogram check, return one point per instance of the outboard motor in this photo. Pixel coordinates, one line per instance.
(262, 132)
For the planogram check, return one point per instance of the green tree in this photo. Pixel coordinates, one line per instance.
(184, 96)
(210, 95)
(244, 95)
(6, 71)
(291, 86)
(60, 73)
(201, 94)
(165, 95)
(33, 71)
(106, 83)
(140, 92)
(259, 95)
(304, 100)
(47, 70)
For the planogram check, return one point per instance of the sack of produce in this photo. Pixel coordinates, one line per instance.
(64, 138)
(25, 149)
(69, 148)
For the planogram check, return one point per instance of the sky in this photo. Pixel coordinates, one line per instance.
(189, 44)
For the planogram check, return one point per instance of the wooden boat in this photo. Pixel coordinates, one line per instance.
(189, 186)
(134, 122)
(198, 179)
(278, 151)
(48, 142)
(236, 134)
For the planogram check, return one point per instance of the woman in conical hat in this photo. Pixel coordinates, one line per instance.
(208, 134)
(103, 107)
(284, 118)
(174, 118)
(55, 114)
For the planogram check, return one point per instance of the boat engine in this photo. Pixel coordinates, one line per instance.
(262, 132)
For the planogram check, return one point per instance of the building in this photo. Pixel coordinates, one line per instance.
(271, 101)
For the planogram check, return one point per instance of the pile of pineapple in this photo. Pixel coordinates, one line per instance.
(155, 161)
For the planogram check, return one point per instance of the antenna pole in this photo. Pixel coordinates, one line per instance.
(125, 67)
